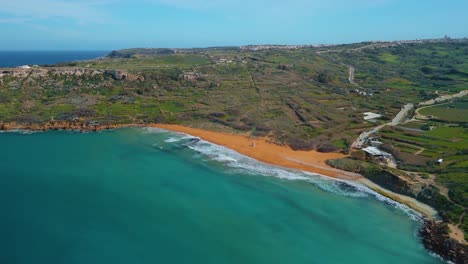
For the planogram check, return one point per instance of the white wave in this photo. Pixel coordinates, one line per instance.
(177, 139)
(250, 166)
(21, 131)
(437, 256)
(414, 215)
(155, 130)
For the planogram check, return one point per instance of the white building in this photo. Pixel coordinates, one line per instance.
(370, 116)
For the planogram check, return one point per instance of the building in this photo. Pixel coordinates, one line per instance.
(373, 151)
(378, 154)
(370, 116)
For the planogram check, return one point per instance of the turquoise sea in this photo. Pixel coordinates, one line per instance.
(150, 196)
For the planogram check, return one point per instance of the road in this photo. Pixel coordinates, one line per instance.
(362, 139)
(351, 75)
(352, 71)
(401, 115)
(444, 98)
(439, 100)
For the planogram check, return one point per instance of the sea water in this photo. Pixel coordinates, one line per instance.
(18, 58)
(152, 196)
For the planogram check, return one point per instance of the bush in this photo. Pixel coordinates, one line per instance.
(327, 147)
(426, 70)
(299, 144)
(323, 77)
(358, 155)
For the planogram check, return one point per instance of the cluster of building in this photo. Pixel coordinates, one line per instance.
(280, 47)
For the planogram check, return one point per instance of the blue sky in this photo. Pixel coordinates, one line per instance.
(115, 24)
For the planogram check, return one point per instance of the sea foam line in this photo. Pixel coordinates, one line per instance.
(250, 166)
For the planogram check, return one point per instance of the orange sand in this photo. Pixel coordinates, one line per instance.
(312, 161)
(262, 150)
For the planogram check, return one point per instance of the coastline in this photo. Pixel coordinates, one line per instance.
(311, 161)
(260, 149)
(432, 232)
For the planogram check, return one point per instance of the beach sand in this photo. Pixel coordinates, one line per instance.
(262, 150)
(312, 161)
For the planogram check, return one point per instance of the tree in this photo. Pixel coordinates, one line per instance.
(426, 70)
(323, 77)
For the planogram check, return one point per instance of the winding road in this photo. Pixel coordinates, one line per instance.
(362, 139)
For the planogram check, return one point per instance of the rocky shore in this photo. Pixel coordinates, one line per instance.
(434, 234)
(436, 239)
(61, 125)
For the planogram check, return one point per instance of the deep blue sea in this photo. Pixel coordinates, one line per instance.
(151, 196)
(18, 58)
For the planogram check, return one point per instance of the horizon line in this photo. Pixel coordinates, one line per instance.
(247, 45)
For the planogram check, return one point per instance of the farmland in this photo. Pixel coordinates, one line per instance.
(295, 96)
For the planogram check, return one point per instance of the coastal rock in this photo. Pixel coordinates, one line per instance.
(77, 125)
(32, 73)
(436, 239)
(5, 127)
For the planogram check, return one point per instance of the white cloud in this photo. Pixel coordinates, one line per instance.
(81, 12)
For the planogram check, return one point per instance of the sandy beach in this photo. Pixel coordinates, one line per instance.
(312, 161)
(262, 150)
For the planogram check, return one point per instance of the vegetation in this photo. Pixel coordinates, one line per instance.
(301, 97)
(451, 112)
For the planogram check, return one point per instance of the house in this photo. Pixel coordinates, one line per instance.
(373, 151)
(377, 154)
(370, 116)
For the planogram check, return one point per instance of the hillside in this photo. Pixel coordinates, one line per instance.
(307, 97)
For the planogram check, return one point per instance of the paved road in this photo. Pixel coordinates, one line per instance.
(401, 115)
(361, 140)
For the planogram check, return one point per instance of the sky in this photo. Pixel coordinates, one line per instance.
(117, 24)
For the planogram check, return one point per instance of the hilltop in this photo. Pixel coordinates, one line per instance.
(305, 96)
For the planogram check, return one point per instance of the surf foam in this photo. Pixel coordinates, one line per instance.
(240, 163)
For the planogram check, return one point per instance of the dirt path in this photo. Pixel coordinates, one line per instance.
(352, 71)
(444, 98)
(421, 150)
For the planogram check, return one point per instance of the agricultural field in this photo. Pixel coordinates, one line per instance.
(300, 97)
(449, 112)
(420, 152)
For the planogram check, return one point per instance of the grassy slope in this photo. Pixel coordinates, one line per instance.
(300, 97)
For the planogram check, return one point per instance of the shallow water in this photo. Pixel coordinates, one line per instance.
(148, 196)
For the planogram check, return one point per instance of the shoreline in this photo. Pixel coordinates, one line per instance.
(260, 149)
(283, 156)
(432, 232)
(264, 151)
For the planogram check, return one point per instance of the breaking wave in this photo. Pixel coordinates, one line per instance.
(239, 163)
(20, 131)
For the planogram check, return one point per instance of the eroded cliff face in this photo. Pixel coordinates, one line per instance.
(394, 183)
(435, 238)
(36, 72)
(77, 125)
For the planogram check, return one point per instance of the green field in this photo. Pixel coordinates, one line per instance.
(451, 112)
(298, 97)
